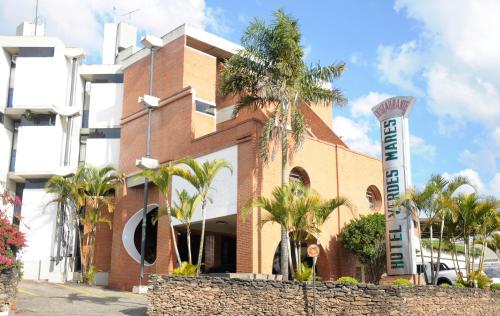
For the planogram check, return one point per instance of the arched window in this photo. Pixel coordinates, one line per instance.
(373, 197)
(299, 174)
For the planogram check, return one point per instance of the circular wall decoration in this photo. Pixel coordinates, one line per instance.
(129, 234)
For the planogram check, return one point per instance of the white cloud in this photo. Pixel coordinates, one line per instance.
(491, 187)
(469, 29)
(398, 65)
(362, 106)
(494, 185)
(474, 179)
(355, 135)
(461, 96)
(455, 56)
(78, 23)
(358, 59)
(419, 147)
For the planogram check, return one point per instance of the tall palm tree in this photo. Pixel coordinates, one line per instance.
(162, 178)
(99, 186)
(184, 211)
(269, 74)
(201, 177)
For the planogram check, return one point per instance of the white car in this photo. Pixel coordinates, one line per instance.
(446, 275)
(492, 270)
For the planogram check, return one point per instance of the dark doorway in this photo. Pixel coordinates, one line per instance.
(151, 235)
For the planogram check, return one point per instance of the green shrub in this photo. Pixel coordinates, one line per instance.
(402, 282)
(185, 269)
(495, 286)
(90, 275)
(347, 280)
(305, 274)
(445, 285)
(459, 285)
(483, 281)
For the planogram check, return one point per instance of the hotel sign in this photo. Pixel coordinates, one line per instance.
(393, 116)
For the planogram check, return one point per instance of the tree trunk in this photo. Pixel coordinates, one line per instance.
(188, 238)
(289, 252)
(202, 238)
(473, 251)
(284, 180)
(80, 242)
(174, 239)
(433, 275)
(422, 252)
(481, 259)
(439, 250)
(466, 253)
(298, 268)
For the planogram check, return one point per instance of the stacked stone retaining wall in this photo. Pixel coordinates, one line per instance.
(8, 290)
(169, 295)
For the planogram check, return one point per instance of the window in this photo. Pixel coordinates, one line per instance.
(17, 208)
(36, 52)
(373, 197)
(107, 78)
(204, 107)
(30, 119)
(12, 164)
(35, 184)
(299, 174)
(104, 132)
(83, 150)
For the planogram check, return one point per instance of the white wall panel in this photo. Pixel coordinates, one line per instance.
(224, 192)
(38, 148)
(5, 148)
(41, 81)
(4, 77)
(105, 108)
(102, 152)
(38, 222)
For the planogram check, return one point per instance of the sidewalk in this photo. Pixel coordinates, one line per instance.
(42, 298)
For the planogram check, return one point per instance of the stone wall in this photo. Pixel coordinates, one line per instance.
(169, 295)
(8, 289)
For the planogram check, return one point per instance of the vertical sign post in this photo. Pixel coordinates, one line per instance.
(395, 140)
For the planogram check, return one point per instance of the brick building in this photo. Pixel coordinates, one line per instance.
(194, 120)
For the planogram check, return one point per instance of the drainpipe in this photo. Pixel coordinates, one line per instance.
(69, 125)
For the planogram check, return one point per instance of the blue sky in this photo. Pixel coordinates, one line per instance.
(445, 53)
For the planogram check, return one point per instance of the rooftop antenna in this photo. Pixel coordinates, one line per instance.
(36, 16)
(130, 14)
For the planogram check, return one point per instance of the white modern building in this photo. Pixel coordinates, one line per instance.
(56, 112)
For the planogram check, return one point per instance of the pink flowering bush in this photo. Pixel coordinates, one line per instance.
(11, 238)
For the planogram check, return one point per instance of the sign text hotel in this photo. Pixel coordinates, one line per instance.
(393, 116)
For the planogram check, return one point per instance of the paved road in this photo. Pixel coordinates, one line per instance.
(42, 298)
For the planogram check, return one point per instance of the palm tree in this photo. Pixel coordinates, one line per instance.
(443, 191)
(490, 223)
(184, 211)
(269, 74)
(162, 178)
(416, 201)
(99, 186)
(301, 210)
(201, 177)
(67, 194)
(475, 217)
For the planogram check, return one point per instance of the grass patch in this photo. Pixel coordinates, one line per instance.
(448, 247)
